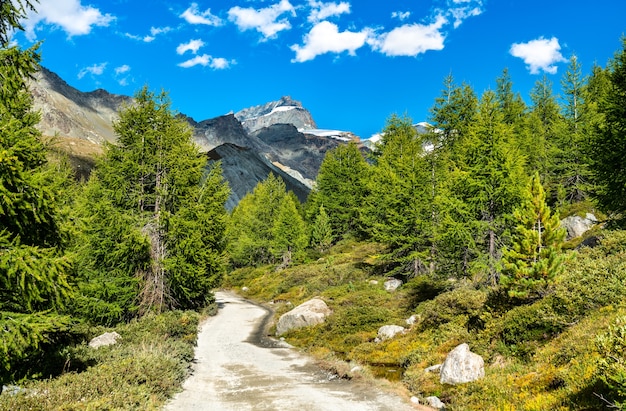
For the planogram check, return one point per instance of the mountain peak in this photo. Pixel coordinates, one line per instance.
(283, 111)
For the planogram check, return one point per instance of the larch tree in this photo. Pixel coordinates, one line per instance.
(156, 179)
(399, 212)
(341, 188)
(608, 148)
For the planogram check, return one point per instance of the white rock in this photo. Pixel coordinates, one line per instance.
(104, 340)
(245, 289)
(461, 366)
(411, 320)
(392, 284)
(434, 402)
(576, 226)
(306, 314)
(415, 400)
(373, 282)
(389, 331)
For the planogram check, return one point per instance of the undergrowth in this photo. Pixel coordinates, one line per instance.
(550, 354)
(140, 372)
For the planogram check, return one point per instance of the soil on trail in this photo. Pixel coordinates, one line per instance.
(237, 368)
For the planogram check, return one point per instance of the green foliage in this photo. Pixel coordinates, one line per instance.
(341, 189)
(251, 226)
(289, 232)
(140, 372)
(607, 148)
(534, 259)
(461, 305)
(321, 231)
(612, 364)
(153, 219)
(399, 205)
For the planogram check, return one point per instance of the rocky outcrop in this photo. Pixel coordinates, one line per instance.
(462, 366)
(306, 314)
(576, 226)
(104, 340)
(244, 168)
(283, 111)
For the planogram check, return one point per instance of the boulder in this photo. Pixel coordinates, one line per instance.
(411, 320)
(389, 331)
(576, 226)
(104, 340)
(434, 402)
(392, 284)
(306, 314)
(461, 366)
(434, 368)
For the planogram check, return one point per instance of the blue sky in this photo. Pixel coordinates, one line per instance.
(351, 63)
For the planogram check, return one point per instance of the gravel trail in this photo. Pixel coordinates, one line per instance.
(236, 368)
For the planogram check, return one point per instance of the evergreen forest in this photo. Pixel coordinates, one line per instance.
(467, 215)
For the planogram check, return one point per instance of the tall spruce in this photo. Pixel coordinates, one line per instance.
(34, 268)
(534, 259)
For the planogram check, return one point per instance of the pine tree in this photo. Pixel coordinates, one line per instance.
(534, 259)
(251, 226)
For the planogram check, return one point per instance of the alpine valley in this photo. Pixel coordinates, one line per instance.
(277, 137)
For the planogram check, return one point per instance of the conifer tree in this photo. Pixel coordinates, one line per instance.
(289, 232)
(341, 188)
(608, 146)
(534, 259)
(34, 269)
(154, 179)
(399, 212)
(251, 229)
(321, 232)
(492, 182)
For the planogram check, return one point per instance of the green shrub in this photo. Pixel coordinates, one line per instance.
(612, 365)
(446, 307)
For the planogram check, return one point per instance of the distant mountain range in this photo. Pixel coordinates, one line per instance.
(277, 137)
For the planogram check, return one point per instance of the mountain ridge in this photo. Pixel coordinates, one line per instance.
(282, 132)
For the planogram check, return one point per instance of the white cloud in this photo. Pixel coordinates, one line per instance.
(95, 70)
(220, 63)
(462, 13)
(192, 45)
(154, 31)
(266, 21)
(325, 37)
(216, 63)
(122, 69)
(321, 10)
(411, 39)
(193, 16)
(401, 15)
(69, 15)
(539, 54)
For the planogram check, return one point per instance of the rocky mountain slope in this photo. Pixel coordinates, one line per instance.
(279, 136)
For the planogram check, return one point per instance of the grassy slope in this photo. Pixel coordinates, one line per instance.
(139, 373)
(539, 356)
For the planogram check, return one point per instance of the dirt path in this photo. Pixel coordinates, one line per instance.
(233, 371)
